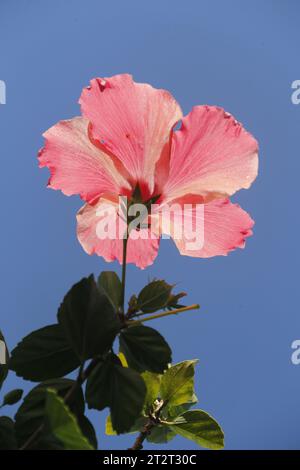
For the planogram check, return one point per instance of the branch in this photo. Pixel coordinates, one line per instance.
(154, 420)
(138, 443)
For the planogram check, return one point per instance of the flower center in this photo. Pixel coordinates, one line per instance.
(137, 197)
(140, 213)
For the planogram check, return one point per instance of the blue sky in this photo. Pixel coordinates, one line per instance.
(240, 55)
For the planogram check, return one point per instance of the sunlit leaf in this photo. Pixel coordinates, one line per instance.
(201, 428)
(31, 413)
(177, 410)
(161, 434)
(152, 382)
(177, 384)
(63, 424)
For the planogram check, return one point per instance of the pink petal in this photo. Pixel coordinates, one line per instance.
(220, 227)
(141, 248)
(132, 120)
(211, 153)
(76, 165)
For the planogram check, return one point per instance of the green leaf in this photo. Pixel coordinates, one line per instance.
(42, 355)
(109, 281)
(152, 382)
(4, 357)
(31, 413)
(137, 426)
(63, 424)
(177, 384)
(145, 349)
(87, 430)
(175, 411)
(132, 306)
(173, 300)
(120, 388)
(7, 434)
(154, 296)
(201, 428)
(88, 319)
(11, 398)
(47, 441)
(128, 398)
(98, 387)
(161, 434)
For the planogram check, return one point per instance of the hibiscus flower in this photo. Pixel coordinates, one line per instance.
(125, 144)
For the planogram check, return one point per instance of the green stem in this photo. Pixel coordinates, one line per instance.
(162, 314)
(125, 240)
